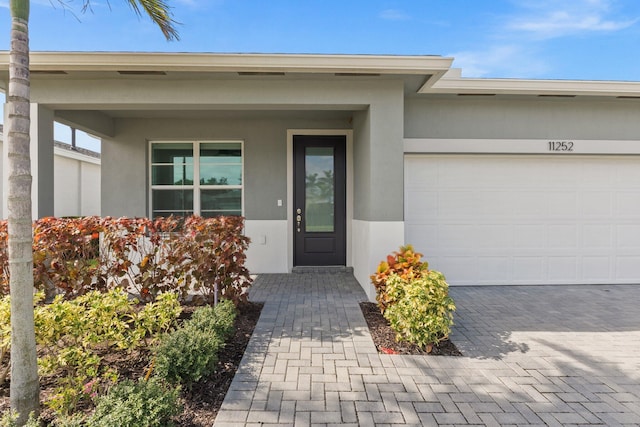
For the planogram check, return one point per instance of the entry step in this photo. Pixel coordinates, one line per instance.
(329, 269)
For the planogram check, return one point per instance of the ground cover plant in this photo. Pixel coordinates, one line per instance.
(111, 294)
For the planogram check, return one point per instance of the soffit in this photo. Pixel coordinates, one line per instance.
(551, 88)
(130, 65)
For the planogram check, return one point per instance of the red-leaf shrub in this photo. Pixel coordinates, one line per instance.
(216, 248)
(66, 255)
(145, 257)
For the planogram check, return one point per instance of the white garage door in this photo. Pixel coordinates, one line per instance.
(509, 219)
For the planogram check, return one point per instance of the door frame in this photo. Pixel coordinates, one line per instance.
(348, 134)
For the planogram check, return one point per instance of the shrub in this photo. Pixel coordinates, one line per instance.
(66, 255)
(216, 250)
(148, 257)
(191, 352)
(137, 404)
(420, 310)
(404, 263)
(72, 334)
(218, 319)
(186, 355)
(10, 419)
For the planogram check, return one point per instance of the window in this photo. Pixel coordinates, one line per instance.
(203, 178)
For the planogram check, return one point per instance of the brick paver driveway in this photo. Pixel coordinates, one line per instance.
(535, 355)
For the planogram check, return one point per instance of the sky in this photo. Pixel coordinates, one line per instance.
(549, 39)
(538, 39)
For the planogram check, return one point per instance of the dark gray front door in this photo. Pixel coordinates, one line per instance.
(319, 200)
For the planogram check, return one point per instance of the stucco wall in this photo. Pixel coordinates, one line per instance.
(125, 164)
(530, 118)
(76, 184)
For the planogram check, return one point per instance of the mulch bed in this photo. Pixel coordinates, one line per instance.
(202, 402)
(385, 338)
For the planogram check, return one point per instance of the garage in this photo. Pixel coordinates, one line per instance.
(494, 219)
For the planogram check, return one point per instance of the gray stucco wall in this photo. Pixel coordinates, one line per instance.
(575, 118)
(125, 164)
(378, 158)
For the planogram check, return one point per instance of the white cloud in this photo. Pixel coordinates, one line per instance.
(501, 61)
(4, 4)
(515, 48)
(555, 18)
(394, 15)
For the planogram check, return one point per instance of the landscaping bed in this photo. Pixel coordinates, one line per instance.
(385, 338)
(203, 400)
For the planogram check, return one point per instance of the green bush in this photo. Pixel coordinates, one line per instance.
(75, 420)
(137, 404)
(10, 419)
(218, 319)
(420, 309)
(191, 352)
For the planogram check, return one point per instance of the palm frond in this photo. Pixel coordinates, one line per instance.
(160, 13)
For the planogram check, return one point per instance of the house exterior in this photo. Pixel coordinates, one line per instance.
(76, 180)
(340, 159)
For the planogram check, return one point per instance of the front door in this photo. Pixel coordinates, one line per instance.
(319, 199)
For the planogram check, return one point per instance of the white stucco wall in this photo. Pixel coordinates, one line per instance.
(76, 184)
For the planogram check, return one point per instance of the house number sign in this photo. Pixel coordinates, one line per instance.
(560, 146)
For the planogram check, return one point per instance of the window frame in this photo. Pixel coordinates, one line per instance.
(196, 187)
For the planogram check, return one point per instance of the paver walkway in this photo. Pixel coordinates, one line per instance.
(533, 356)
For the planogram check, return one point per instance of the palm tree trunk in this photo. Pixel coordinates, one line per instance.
(24, 368)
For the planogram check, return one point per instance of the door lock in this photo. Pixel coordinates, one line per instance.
(299, 218)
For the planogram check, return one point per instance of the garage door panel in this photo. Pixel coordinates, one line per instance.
(423, 206)
(460, 268)
(596, 269)
(564, 269)
(627, 267)
(528, 268)
(627, 204)
(527, 236)
(456, 203)
(529, 203)
(493, 270)
(562, 204)
(492, 219)
(597, 236)
(628, 236)
(457, 236)
(493, 236)
(597, 204)
(563, 237)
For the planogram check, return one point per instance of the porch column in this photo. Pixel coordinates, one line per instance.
(42, 161)
(378, 225)
(41, 151)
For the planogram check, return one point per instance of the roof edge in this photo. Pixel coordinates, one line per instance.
(458, 85)
(225, 62)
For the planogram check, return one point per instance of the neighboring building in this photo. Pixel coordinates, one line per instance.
(340, 159)
(76, 180)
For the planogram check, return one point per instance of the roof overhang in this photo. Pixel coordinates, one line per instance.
(452, 83)
(126, 64)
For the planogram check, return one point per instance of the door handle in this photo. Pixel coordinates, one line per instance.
(298, 218)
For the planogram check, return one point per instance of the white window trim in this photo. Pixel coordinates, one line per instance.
(196, 186)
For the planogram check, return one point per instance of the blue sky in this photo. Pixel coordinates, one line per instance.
(542, 39)
(559, 39)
